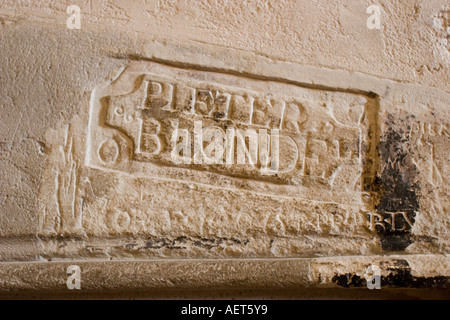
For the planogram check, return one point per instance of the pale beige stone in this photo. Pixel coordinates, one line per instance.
(87, 171)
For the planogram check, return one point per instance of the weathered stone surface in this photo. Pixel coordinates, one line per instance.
(101, 126)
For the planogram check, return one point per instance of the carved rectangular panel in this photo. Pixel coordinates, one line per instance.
(178, 162)
(141, 121)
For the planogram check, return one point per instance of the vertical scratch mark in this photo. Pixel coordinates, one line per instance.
(15, 131)
(42, 219)
(66, 135)
(75, 186)
(58, 221)
(266, 222)
(80, 214)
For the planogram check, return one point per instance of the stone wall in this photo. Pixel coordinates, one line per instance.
(226, 145)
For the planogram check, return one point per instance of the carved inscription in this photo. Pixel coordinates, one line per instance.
(159, 121)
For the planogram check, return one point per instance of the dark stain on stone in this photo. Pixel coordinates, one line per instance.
(399, 277)
(398, 192)
(372, 95)
(210, 243)
(349, 280)
(158, 243)
(202, 244)
(395, 242)
(130, 245)
(181, 239)
(392, 241)
(219, 115)
(182, 242)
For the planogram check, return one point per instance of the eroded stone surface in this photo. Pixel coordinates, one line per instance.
(326, 157)
(88, 165)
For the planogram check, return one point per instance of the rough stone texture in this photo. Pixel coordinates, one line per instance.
(88, 116)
